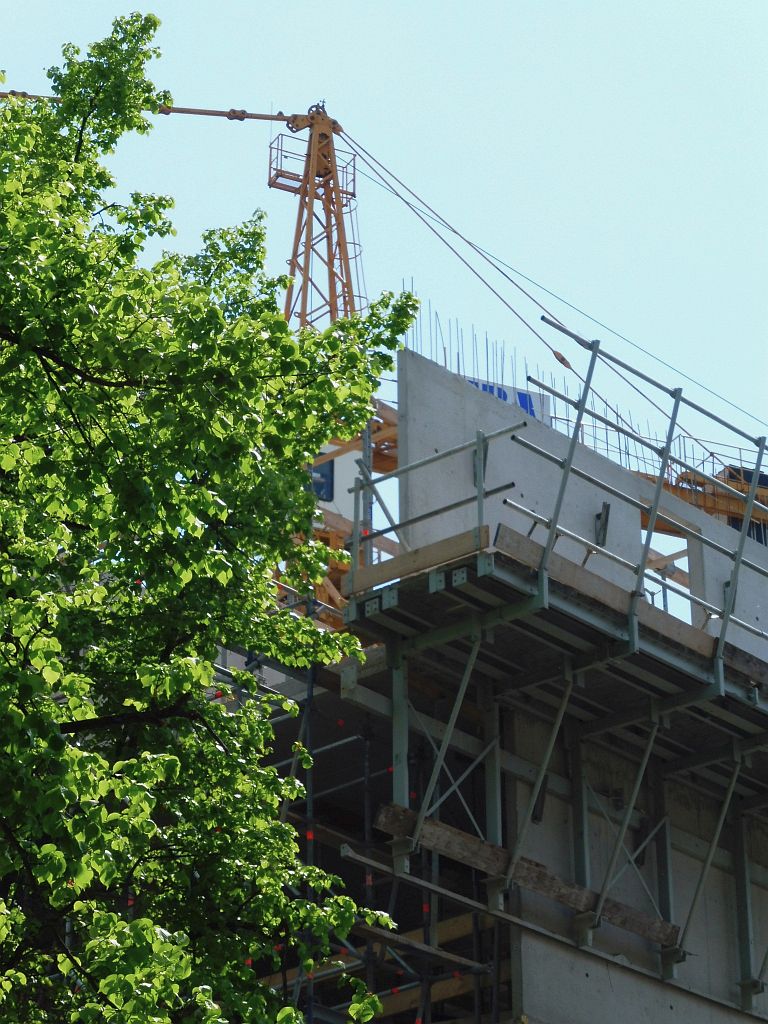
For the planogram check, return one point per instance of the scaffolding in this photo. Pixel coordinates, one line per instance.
(504, 773)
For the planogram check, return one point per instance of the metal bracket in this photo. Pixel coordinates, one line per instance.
(485, 563)
(601, 524)
(459, 577)
(436, 581)
(670, 957)
(584, 925)
(440, 580)
(729, 594)
(350, 612)
(389, 599)
(494, 887)
(752, 986)
(349, 676)
(478, 478)
(401, 848)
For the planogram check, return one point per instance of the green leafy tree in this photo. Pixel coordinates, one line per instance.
(156, 424)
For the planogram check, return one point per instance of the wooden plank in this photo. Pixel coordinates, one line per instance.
(753, 667)
(467, 849)
(410, 999)
(338, 601)
(431, 555)
(386, 433)
(449, 930)
(340, 524)
(448, 988)
(596, 588)
(386, 413)
(529, 874)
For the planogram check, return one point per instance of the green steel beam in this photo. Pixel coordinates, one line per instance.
(475, 623)
(749, 986)
(724, 752)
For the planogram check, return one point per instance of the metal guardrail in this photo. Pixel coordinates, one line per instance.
(479, 447)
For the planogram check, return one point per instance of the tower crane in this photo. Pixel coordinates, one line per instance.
(321, 261)
(320, 264)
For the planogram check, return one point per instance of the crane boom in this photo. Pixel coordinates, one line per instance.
(320, 266)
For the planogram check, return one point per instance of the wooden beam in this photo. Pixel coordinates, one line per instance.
(336, 599)
(658, 560)
(402, 1002)
(340, 524)
(528, 874)
(522, 549)
(449, 930)
(387, 433)
(664, 564)
(386, 413)
(440, 553)
(448, 988)
(712, 501)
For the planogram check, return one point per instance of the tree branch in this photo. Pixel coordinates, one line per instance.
(153, 716)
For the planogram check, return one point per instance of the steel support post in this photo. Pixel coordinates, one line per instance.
(663, 845)
(619, 841)
(492, 766)
(749, 985)
(678, 952)
(440, 759)
(367, 465)
(480, 455)
(400, 781)
(382, 504)
(579, 813)
(567, 462)
(357, 506)
(639, 590)
(492, 780)
(514, 895)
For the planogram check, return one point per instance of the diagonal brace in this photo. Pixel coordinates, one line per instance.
(619, 841)
(567, 462)
(454, 782)
(678, 954)
(543, 769)
(665, 453)
(428, 793)
(630, 855)
(382, 504)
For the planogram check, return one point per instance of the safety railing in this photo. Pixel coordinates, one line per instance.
(368, 485)
(749, 509)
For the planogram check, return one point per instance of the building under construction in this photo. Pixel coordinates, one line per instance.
(552, 768)
(555, 784)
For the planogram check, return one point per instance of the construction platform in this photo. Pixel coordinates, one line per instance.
(558, 788)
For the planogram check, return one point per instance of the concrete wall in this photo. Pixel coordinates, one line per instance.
(567, 986)
(564, 985)
(439, 410)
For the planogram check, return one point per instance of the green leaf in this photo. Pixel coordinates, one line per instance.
(157, 420)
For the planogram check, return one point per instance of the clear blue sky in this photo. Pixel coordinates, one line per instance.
(614, 150)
